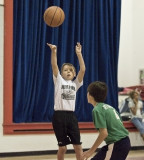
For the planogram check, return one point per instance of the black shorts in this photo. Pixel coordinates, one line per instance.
(120, 150)
(66, 128)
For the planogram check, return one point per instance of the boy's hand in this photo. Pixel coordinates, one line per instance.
(52, 47)
(138, 91)
(86, 155)
(135, 101)
(78, 48)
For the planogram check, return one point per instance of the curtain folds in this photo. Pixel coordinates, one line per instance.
(93, 23)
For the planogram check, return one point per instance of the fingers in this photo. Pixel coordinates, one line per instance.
(84, 156)
(51, 46)
(78, 44)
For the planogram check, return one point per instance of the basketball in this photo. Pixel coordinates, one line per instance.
(54, 16)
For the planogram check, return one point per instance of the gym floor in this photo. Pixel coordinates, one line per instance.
(133, 155)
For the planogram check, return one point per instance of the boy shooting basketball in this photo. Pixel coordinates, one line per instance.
(109, 125)
(64, 121)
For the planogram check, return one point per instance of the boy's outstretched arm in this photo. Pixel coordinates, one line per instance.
(81, 72)
(55, 68)
(102, 135)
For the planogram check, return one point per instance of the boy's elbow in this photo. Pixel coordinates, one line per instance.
(106, 134)
(83, 70)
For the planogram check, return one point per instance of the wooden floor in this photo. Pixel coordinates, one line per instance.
(133, 155)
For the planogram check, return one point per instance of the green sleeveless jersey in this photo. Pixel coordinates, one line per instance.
(105, 116)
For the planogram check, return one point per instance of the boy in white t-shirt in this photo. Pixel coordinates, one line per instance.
(64, 121)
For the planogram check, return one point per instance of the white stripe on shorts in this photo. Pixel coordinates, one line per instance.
(109, 152)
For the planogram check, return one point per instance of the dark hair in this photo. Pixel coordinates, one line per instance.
(98, 90)
(69, 64)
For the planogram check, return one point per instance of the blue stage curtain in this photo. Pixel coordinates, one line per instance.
(93, 23)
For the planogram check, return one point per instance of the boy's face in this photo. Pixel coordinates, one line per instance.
(89, 97)
(68, 72)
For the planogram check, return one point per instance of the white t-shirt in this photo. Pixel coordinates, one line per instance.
(139, 106)
(65, 93)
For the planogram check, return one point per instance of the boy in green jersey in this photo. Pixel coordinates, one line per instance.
(111, 130)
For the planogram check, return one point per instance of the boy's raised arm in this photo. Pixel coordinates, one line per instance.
(55, 68)
(81, 72)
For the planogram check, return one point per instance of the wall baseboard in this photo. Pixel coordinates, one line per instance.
(34, 153)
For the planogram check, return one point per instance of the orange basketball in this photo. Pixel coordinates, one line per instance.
(54, 16)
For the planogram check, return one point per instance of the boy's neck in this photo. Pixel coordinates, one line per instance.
(94, 103)
(68, 80)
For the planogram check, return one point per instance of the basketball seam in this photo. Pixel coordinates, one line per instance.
(53, 16)
(60, 18)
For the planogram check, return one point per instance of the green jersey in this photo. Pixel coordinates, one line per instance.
(105, 116)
